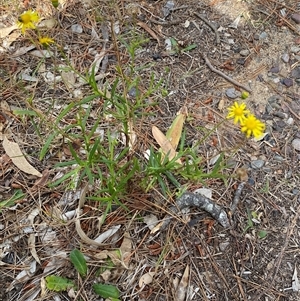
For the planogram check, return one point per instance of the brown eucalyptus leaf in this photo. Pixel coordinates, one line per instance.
(13, 150)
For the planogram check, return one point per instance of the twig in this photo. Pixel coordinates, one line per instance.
(210, 25)
(189, 199)
(231, 80)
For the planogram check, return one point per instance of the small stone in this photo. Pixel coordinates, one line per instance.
(285, 57)
(77, 28)
(297, 57)
(256, 37)
(295, 72)
(296, 144)
(241, 61)
(244, 52)
(280, 115)
(290, 121)
(278, 158)
(263, 35)
(295, 49)
(276, 80)
(223, 246)
(287, 82)
(257, 164)
(275, 69)
(251, 181)
(133, 92)
(295, 191)
(232, 93)
(296, 18)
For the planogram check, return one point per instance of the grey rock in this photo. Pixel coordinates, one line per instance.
(296, 18)
(273, 99)
(295, 49)
(295, 191)
(295, 72)
(244, 52)
(77, 28)
(280, 115)
(263, 35)
(275, 69)
(285, 57)
(251, 181)
(224, 245)
(278, 158)
(290, 121)
(288, 82)
(241, 61)
(257, 164)
(296, 144)
(232, 93)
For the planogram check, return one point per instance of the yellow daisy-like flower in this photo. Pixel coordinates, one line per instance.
(27, 20)
(250, 125)
(46, 41)
(238, 112)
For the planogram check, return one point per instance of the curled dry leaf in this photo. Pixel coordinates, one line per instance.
(182, 286)
(146, 279)
(126, 248)
(163, 142)
(4, 32)
(13, 150)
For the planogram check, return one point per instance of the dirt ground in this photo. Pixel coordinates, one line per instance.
(255, 43)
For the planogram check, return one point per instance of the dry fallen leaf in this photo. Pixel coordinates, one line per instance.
(146, 279)
(182, 286)
(13, 150)
(4, 32)
(163, 142)
(126, 248)
(175, 131)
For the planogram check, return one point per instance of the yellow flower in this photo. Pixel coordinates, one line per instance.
(45, 41)
(27, 20)
(238, 112)
(250, 125)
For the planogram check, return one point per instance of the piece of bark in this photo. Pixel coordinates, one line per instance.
(189, 199)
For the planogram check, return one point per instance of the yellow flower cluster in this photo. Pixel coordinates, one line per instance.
(28, 20)
(250, 125)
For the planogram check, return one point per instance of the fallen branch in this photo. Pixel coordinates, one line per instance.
(213, 69)
(189, 199)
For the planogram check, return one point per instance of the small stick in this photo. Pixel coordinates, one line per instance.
(210, 25)
(231, 80)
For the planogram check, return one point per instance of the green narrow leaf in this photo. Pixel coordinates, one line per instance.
(79, 262)
(106, 290)
(47, 144)
(58, 284)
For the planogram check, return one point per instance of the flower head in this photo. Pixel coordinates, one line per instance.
(250, 125)
(238, 112)
(46, 41)
(27, 20)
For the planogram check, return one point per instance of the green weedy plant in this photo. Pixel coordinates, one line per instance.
(160, 171)
(59, 284)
